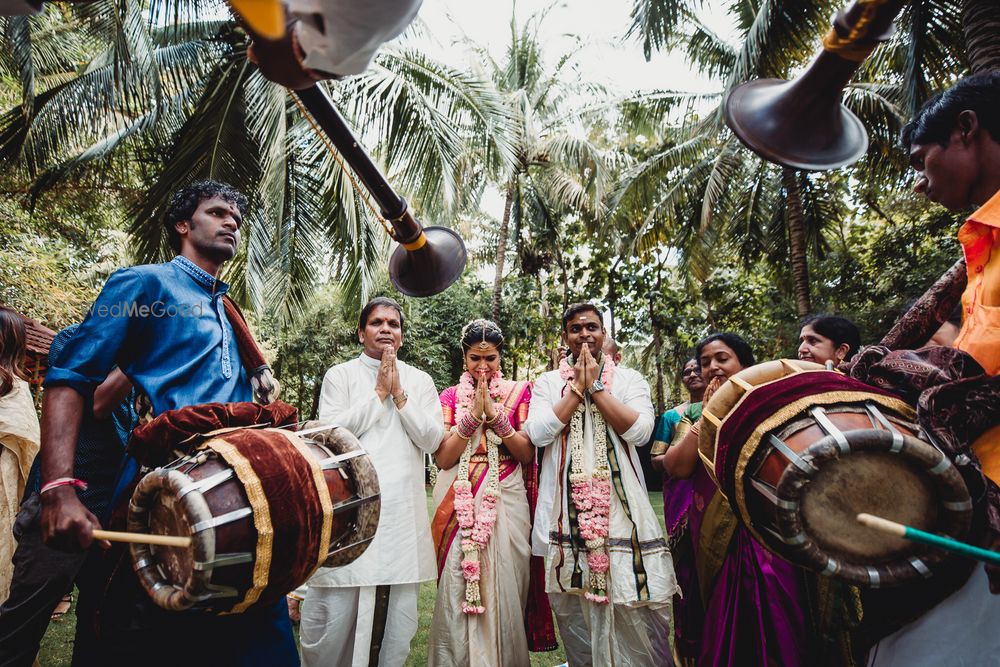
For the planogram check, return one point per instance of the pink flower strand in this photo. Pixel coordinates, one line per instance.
(470, 569)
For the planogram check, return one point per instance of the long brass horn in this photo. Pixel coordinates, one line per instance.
(428, 259)
(802, 123)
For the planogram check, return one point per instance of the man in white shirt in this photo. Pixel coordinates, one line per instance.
(365, 613)
(610, 587)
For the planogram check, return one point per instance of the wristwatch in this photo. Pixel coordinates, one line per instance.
(596, 387)
(402, 397)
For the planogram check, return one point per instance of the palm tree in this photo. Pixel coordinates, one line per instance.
(981, 29)
(556, 173)
(777, 37)
(180, 101)
(701, 178)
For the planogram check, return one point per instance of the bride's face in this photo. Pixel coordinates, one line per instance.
(482, 359)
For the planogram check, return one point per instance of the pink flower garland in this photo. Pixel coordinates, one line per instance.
(476, 529)
(591, 494)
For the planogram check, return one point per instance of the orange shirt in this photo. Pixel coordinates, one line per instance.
(980, 239)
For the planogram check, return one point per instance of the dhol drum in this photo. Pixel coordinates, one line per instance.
(264, 508)
(800, 451)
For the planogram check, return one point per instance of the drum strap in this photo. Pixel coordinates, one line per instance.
(379, 617)
(259, 372)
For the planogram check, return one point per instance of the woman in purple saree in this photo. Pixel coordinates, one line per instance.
(755, 604)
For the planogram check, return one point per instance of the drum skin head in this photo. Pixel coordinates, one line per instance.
(871, 482)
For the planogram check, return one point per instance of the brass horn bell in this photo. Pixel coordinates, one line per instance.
(428, 264)
(803, 123)
(800, 123)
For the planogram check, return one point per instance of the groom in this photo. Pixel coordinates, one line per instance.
(611, 578)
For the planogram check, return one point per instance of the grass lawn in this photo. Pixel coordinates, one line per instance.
(57, 646)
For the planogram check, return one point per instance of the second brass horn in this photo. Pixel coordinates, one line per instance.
(428, 259)
(802, 123)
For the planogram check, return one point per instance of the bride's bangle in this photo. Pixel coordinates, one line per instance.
(502, 426)
(468, 425)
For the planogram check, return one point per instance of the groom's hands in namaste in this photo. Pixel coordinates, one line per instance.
(586, 368)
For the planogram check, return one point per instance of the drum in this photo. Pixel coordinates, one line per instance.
(800, 451)
(264, 508)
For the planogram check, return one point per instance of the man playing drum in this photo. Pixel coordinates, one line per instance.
(166, 327)
(365, 613)
(610, 575)
(954, 146)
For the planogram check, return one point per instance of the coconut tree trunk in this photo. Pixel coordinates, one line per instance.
(502, 248)
(981, 25)
(655, 321)
(613, 297)
(657, 349)
(561, 262)
(797, 240)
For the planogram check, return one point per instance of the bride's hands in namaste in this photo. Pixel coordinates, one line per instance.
(483, 392)
(478, 401)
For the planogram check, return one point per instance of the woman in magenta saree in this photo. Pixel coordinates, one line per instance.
(755, 604)
(491, 608)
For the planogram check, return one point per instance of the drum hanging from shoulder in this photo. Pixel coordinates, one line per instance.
(800, 451)
(264, 508)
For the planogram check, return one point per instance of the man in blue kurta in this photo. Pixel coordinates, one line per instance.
(165, 326)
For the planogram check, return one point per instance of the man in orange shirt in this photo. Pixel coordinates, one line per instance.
(954, 145)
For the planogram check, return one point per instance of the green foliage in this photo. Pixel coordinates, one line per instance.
(434, 328)
(886, 264)
(54, 260)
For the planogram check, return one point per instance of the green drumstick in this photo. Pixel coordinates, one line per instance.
(946, 543)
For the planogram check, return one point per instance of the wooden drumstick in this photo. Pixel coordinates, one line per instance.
(143, 538)
(916, 535)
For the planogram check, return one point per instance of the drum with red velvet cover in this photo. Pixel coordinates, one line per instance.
(264, 508)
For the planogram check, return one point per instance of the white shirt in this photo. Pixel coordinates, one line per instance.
(544, 428)
(349, 33)
(396, 440)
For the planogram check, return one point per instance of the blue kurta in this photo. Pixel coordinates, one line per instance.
(165, 326)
